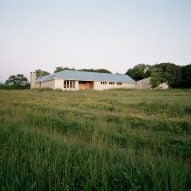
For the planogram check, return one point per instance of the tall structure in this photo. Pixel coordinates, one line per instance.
(33, 80)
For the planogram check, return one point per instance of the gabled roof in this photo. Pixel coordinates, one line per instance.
(87, 76)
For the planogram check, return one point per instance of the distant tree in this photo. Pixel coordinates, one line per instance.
(18, 81)
(155, 79)
(60, 68)
(139, 71)
(186, 76)
(2, 86)
(40, 73)
(166, 72)
(101, 70)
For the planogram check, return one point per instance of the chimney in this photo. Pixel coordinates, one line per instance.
(33, 80)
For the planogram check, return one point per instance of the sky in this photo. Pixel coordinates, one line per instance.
(111, 34)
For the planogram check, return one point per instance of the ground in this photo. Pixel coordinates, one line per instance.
(95, 140)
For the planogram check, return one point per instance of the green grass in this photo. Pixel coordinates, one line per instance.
(95, 140)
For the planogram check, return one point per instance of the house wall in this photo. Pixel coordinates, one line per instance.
(47, 84)
(163, 86)
(99, 86)
(59, 84)
(144, 84)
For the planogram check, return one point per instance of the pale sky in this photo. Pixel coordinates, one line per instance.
(111, 34)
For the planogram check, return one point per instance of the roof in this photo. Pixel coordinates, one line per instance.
(87, 76)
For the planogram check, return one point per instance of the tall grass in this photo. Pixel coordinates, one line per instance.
(91, 140)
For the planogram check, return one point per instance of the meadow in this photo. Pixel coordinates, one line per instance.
(95, 140)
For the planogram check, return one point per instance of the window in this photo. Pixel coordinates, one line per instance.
(69, 84)
(119, 83)
(64, 84)
(103, 83)
(111, 83)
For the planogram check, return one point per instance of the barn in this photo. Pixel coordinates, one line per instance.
(80, 80)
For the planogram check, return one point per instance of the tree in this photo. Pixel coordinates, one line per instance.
(2, 86)
(166, 72)
(60, 68)
(40, 73)
(101, 70)
(139, 71)
(18, 81)
(186, 76)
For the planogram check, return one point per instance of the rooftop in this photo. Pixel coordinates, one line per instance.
(87, 76)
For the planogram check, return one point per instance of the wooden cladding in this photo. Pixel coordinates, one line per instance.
(86, 85)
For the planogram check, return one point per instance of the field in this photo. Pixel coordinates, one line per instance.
(95, 140)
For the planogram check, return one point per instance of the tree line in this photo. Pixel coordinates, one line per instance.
(176, 76)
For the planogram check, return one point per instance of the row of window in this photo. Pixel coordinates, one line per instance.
(111, 83)
(69, 84)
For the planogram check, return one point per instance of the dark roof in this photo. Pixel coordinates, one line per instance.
(87, 76)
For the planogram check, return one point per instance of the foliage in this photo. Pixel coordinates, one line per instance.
(96, 70)
(92, 140)
(186, 76)
(40, 73)
(60, 68)
(176, 76)
(140, 71)
(165, 72)
(2, 86)
(18, 81)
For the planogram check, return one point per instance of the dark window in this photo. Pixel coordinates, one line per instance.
(64, 84)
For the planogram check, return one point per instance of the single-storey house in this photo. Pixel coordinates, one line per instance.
(80, 80)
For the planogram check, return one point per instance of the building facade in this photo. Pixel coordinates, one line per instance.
(80, 80)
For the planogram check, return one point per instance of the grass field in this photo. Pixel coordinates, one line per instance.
(95, 140)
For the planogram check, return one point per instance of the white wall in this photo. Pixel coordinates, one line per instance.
(59, 84)
(144, 84)
(99, 86)
(48, 84)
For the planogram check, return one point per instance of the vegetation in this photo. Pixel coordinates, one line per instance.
(91, 140)
(60, 68)
(176, 76)
(96, 70)
(166, 72)
(140, 71)
(185, 76)
(18, 81)
(40, 73)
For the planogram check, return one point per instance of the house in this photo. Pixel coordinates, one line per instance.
(146, 84)
(80, 80)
